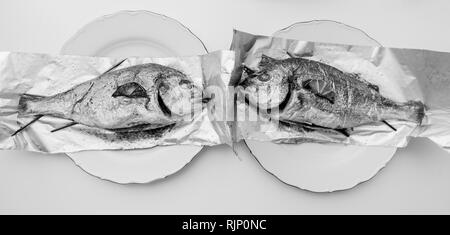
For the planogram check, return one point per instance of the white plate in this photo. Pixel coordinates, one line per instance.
(320, 167)
(126, 34)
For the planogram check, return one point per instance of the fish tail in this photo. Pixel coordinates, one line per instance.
(413, 111)
(417, 110)
(27, 104)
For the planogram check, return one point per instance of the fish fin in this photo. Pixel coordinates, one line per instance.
(27, 125)
(389, 125)
(374, 87)
(25, 100)
(369, 84)
(419, 109)
(64, 127)
(345, 132)
(265, 60)
(291, 54)
(130, 90)
(305, 54)
(421, 112)
(313, 127)
(143, 127)
(114, 67)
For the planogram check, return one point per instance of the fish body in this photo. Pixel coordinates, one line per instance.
(145, 96)
(311, 92)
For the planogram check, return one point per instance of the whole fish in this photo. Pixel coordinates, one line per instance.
(308, 92)
(140, 97)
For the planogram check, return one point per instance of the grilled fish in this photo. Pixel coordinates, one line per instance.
(141, 97)
(308, 92)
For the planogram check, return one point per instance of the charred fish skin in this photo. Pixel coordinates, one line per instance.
(316, 93)
(150, 95)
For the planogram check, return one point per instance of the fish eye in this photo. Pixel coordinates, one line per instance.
(130, 90)
(186, 84)
(264, 77)
(320, 88)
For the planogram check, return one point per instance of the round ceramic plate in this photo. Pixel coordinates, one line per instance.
(126, 34)
(321, 167)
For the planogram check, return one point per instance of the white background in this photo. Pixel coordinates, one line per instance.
(417, 180)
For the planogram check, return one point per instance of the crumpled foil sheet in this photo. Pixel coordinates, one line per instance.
(46, 75)
(401, 74)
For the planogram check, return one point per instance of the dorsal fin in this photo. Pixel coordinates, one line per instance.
(305, 54)
(265, 60)
(113, 67)
(369, 84)
(312, 127)
(374, 87)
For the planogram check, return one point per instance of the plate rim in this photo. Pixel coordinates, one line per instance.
(326, 191)
(327, 21)
(106, 17)
(134, 182)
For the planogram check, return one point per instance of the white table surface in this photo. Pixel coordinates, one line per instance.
(417, 180)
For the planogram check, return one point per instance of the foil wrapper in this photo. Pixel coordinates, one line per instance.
(46, 75)
(401, 74)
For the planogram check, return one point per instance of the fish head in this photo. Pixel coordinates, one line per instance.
(268, 86)
(178, 96)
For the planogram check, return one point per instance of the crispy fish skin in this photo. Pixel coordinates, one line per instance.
(312, 92)
(147, 95)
